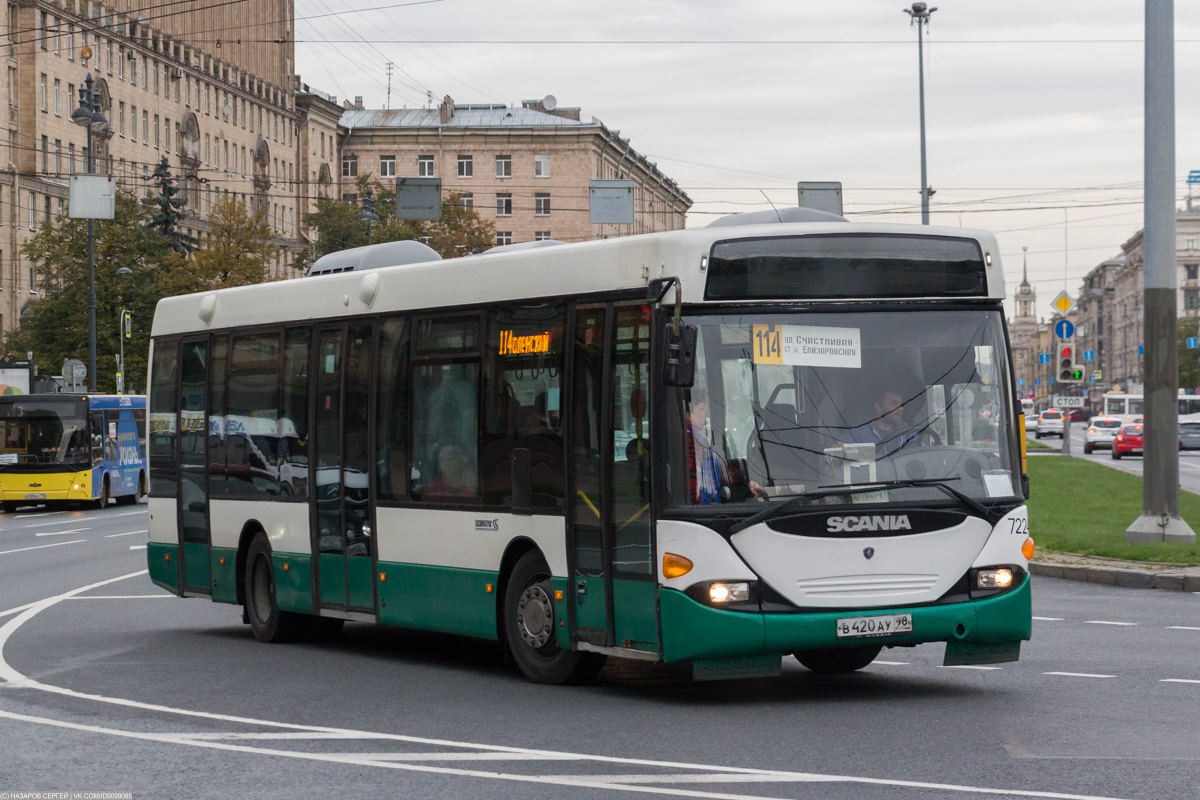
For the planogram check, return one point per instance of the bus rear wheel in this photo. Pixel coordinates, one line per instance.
(832, 660)
(530, 628)
(136, 497)
(266, 620)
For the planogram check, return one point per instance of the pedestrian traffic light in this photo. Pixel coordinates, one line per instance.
(1067, 371)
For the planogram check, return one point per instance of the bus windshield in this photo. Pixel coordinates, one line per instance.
(787, 403)
(45, 434)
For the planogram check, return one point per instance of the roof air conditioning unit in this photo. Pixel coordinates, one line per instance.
(176, 73)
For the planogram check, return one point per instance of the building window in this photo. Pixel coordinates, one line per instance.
(32, 219)
(504, 205)
(145, 127)
(541, 204)
(466, 200)
(1190, 271)
(1189, 243)
(71, 156)
(45, 155)
(541, 166)
(541, 236)
(57, 97)
(133, 122)
(58, 157)
(349, 166)
(503, 166)
(71, 41)
(157, 138)
(42, 92)
(1191, 299)
(466, 166)
(387, 166)
(503, 237)
(424, 166)
(121, 118)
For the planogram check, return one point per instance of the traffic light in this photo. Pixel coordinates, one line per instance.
(1067, 371)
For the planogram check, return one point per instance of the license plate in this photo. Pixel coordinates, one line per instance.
(35, 495)
(885, 625)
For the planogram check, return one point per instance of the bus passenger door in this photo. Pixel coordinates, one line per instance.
(193, 465)
(341, 497)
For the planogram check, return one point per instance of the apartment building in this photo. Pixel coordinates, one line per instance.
(179, 85)
(525, 169)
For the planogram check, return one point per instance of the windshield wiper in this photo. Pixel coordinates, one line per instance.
(855, 488)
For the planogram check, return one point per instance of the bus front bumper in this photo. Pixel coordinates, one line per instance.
(43, 488)
(691, 630)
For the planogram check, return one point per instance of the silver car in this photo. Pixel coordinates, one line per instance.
(1050, 423)
(1189, 436)
(1100, 433)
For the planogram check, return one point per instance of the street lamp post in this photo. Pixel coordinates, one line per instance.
(88, 116)
(123, 327)
(368, 214)
(919, 16)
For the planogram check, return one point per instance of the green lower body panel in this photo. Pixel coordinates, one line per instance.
(562, 635)
(635, 614)
(195, 566)
(439, 598)
(163, 562)
(222, 568)
(293, 581)
(692, 630)
(331, 574)
(361, 582)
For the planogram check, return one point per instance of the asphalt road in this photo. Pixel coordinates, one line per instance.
(1189, 460)
(110, 685)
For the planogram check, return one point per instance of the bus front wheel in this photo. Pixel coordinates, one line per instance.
(266, 620)
(102, 500)
(529, 626)
(832, 660)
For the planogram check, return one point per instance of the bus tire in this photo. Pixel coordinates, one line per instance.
(529, 626)
(10, 507)
(102, 500)
(136, 497)
(266, 620)
(833, 660)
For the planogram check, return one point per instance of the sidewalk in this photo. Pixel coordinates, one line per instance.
(1116, 572)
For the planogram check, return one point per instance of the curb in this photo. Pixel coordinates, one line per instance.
(1182, 580)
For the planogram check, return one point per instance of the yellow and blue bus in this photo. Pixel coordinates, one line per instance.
(64, 449)
(769, 437)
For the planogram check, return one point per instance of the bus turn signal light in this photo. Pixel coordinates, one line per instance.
(1027, 549)
(675, 566)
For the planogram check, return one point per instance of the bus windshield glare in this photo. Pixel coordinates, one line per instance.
(788, 403)
(43, 433)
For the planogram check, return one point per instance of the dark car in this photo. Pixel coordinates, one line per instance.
(1128, 442)
(1079, 415)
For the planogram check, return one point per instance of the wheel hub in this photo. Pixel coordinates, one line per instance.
(535, 616)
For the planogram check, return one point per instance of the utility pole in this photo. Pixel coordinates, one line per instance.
(389, 67)
(919, 16)
(88, 116)
(1160, 520)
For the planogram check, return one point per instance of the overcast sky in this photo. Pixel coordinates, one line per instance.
(1031, 107)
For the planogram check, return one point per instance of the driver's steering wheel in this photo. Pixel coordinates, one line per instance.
(929, 438)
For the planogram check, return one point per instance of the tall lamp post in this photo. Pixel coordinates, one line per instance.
(919, 16)
(124, 330)
(368, 214)
(88, 116)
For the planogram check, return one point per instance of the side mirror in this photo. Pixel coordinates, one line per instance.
(680, 356)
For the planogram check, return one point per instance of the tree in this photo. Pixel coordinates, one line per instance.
(339, 226)
(168, 210)
(237, 249)
(460, 231)
(55, 326)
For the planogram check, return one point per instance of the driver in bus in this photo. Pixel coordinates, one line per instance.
(709, 475)
(887, 430)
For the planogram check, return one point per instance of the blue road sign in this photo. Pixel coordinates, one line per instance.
(1020, 381)
(1052, 380)
(1089, 355)
(1142, 350)
(1194, 176)
(1037, 381)
(1043, 358)
(1064, 329)
(1193, 342)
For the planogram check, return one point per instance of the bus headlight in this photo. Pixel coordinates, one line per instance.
(729, 592)
(996, 578)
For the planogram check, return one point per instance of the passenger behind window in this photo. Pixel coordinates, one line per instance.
(455, 477)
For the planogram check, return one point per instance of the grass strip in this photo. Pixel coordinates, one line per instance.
(1076, 506)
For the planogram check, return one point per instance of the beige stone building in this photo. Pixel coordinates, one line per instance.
(179, 85)
(525, 169)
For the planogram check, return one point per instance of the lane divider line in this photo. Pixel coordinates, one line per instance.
(891, 663)
(45, 524)
(1177, 680)
(16, 610)
(62, 533)
(1182, 628)
(1049, 619)
(967, 666)
(40, 546)
(120, 597)
(127, 533)
(1109, 622)
(1079, 675)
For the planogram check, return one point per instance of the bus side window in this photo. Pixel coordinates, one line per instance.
(392, 470)
(98, 435)
(164, 404)
(445, 410)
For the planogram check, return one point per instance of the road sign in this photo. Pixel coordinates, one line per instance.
(1142, 349)
(1062, 302)
(1043, 358)
(1062, 401)
(1089, 355)
(1064, 329)
(1020, 381)
(1097, 374)
(1052, 380)
(1193, 342)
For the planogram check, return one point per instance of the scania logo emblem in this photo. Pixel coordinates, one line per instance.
(868, 552)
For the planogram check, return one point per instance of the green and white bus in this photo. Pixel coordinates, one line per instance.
(720, 446)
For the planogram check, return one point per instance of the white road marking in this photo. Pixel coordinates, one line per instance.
(1177, 680)
(17, 679)
(40, 546)
(137, 547)
(1107, 622)
(460, 757)
(891, 663)
(62, 533)
(1079, 675)
(1049, 619)
(127, 533)
(129, 513)
(1182, 628)
(120, 597)
(16, 610)
(44, 524)
(966, 666)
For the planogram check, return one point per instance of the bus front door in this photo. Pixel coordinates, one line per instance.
(343, 538)
(613, 582)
